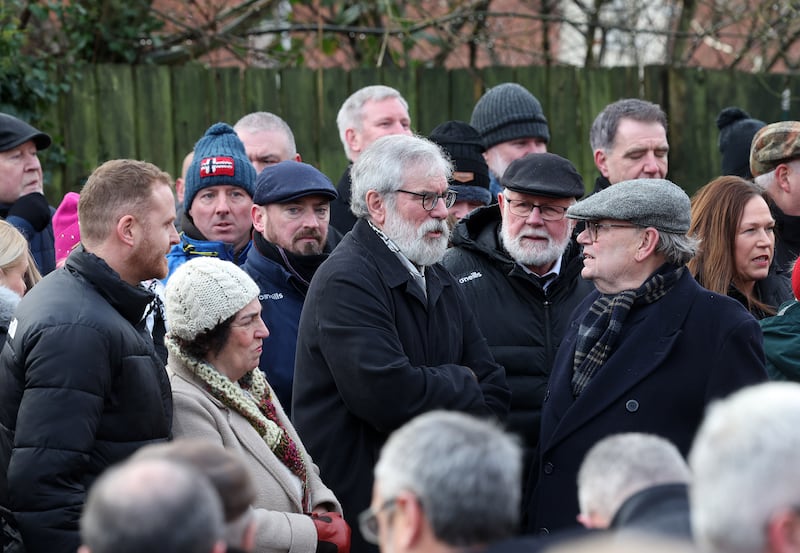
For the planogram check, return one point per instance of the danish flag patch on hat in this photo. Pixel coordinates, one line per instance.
(217, 166)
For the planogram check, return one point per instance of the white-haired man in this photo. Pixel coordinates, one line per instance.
(385, 333)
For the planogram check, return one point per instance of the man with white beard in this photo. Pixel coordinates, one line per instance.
(385, 333)
(520, 270)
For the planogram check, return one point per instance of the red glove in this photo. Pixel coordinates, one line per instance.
(333, 533)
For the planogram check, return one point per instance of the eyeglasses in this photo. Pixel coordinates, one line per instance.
(521, 208)
(368, 521)
(430, 199)
(592, 228)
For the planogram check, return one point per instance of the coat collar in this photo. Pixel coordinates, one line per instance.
(130, 301)
(392, 269)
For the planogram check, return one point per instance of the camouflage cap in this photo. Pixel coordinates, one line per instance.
(774, 144)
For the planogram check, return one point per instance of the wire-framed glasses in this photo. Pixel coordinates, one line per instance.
(548, 212)
(593, 227)
(430, 199)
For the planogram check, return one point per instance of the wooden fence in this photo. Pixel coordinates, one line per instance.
(157, 113)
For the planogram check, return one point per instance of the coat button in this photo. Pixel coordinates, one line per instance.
(548, 468)
(547, 395)
(632, 405)
(544, 531)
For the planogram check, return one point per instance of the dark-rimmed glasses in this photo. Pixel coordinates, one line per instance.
(430, 199)
(592, 227)
(368, 520)
(548, 212)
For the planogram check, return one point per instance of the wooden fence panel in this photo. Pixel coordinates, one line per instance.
(158, 113)
(79, 119)
(262, 91)
(333, 91)
(155, 136)
(299, 109)
(115, 111)
(465, 89)
(191, 108)
(433, 99)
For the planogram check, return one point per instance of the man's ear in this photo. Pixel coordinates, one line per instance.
(783, 532)
(601, 161)
(648, 244)
(84, 549)
(782, 178)
(376, 205)
(353, 140)
(126, 230)
(259, 216)
(412, 527)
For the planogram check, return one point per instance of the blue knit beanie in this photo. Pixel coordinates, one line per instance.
(219, 159)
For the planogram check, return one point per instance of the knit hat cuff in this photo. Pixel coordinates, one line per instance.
(472, 194)
(515, 129)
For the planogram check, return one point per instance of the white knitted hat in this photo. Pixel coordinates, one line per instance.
(203, 292)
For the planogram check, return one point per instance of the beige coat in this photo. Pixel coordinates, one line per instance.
(282, 526)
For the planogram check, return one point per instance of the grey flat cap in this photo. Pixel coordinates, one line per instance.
(657, 203)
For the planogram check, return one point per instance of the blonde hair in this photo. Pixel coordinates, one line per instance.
(13, 249)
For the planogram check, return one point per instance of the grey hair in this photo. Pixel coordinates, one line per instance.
(619, 466)
(744, 467)
(386, 164)
(266, 121)
(151, 505)
(465, 472)
(351, 114)
(604, 128)
(767, 180)
(678, 249)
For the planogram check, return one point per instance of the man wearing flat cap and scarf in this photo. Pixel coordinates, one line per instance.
(646, 352)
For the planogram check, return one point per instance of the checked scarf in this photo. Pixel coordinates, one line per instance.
(602, 325)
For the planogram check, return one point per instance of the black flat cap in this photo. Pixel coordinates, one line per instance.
(543, 175)
(14, 132)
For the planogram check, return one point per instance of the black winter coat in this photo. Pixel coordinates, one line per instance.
(673, 357)
(81, 388)
(342, 219)
(372, 353)
(522, 323)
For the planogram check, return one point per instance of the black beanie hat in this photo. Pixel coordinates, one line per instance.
(464, 146)
(736, 132)
(507, 112)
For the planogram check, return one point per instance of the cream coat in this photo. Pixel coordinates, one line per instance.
(282, 526)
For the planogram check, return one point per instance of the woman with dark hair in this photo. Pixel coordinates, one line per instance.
(220, 394)
(731, 218)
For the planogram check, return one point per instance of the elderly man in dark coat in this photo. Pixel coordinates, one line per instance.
(647, 351)
(385, 333)
(520, 270)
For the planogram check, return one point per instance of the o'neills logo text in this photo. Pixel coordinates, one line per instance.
(273, 296)
(472, 276)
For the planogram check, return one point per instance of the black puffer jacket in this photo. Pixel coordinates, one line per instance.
(81, 387)
(522, 323)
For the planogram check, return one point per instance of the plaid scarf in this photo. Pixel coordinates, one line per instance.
(602, 325)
